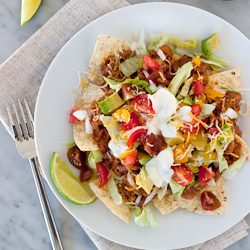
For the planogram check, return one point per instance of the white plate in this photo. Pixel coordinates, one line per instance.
(180, 228)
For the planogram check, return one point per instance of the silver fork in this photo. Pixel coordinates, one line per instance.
(23, 133)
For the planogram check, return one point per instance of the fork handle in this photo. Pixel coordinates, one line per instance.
(48, 215)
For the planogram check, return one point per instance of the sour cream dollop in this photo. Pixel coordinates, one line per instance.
(83, 115)
(183, 114)
(159, 168)
(117, 148)
(230, 113)
(165, 105)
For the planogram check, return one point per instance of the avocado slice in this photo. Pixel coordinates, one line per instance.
(176, 140)
(94, 157)
(188, 101)
(210, 44)
(143, 157)
(111, 103)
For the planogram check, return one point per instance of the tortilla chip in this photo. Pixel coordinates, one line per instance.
(105, 46)
(168, 202)
(244, 147)
(85, 141)
(123, 211)
(228, 79)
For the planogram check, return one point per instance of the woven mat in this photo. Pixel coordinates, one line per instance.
(25, 69)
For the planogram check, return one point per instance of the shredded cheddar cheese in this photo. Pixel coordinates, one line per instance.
(177, 126)
(134, 37)
(188, 138)
(121, 115)
(198, 120)
(214, 144)
(84, 83)
(162, 76)
(103, 60)
(197, 61)
(236, 156)
(198, 129)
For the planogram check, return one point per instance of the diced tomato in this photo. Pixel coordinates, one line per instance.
(196, 109)
(131, 158)
(72, 118)
(213, 131)
(130, 91)
(198, 87)
(153, 145)
(189, 126)
(182, 174)
(133, 122)
(138, 135)
(205, 120)
(155, 76)
(209, 201)
(150, 63)
(102, 174)
(205, 175)
(76, 157)
(142, 104)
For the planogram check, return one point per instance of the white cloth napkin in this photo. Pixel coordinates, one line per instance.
(25, 69)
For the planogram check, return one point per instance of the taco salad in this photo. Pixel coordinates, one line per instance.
(156, 125)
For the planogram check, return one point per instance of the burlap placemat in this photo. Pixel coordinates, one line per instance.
(22, 74)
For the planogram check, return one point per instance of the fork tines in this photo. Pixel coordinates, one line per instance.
(22, 128)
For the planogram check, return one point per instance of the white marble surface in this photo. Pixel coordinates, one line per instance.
(22, 226)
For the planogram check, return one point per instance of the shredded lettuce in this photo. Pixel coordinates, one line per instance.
(215, 62)
(117, 85)
(140, 83)
(223, 165)
(192, 182)
(112, 126)
(189, 44)
(143, 180)
(176, 188)
(112, 84)
(145, 217)
(141, 43)
(114, 191)
(130, 66)
(234, 168)
(157, 40)
(162, 191)
(236, 165)
(182, 74)
(94, 157)
(230, 136)
(207, 109)
(186, 87)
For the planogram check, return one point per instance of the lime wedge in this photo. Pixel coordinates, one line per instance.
(68, 184)
(29, 9)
